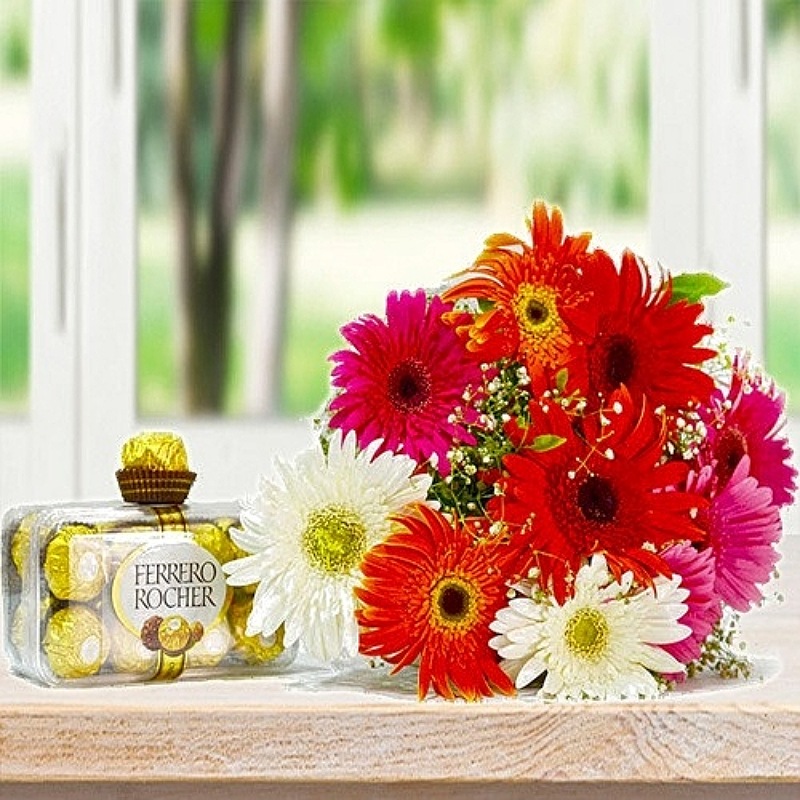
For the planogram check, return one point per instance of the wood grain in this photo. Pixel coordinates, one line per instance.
(413, 791)
(317, 730)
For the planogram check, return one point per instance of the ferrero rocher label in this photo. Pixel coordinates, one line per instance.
(178, 582)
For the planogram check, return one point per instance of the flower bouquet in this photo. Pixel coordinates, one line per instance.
(550, 475)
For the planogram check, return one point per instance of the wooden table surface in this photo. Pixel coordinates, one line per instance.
(311, 733)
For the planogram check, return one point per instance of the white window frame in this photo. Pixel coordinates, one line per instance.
(707, 184)
(706, 212)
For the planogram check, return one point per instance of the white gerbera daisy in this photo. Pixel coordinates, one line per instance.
(603, 643)
(308, 532)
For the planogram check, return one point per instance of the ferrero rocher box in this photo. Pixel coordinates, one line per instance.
(105, 593)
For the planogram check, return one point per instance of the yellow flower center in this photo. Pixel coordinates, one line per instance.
(454, 603)
(334, 539)
(536, 311)
(587, 634)
(540, 325)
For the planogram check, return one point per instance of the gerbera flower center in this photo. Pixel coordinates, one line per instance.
(334, 539)
(454, 602)
(597, 499)
(732, 445)
(536, 311)
(587, 634)
(620, 361)
(410, 386)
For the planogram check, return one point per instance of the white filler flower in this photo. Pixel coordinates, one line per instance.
(603, 643)
(308, 532)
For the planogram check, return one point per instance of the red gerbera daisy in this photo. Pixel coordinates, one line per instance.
(643, 340)
(429, 593)
(602, 490)
(749, 420)
(403, 379)
(537, 295)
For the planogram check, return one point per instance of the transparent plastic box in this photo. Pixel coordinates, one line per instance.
(102, 593)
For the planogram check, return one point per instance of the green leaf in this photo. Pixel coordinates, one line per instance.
(547, 441)
(562, 376)
(694, 286)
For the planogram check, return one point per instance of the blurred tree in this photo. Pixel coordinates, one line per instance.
(350, 99)
(315, 51)
(205, 252)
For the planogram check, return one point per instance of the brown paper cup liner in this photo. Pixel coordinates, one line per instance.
(154, 486)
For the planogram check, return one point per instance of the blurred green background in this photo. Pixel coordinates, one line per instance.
(417, 122)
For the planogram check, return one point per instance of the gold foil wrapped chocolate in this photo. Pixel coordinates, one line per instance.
(213, 536)
(212, 648)
(19, 624)
(21, 543)
(75, 642)
(157, 451)
(96, 594)
(176, 635)
(73, 564)
(129, 654)
(21, 633)
(227, 525)
(155, 469)
(256, 649)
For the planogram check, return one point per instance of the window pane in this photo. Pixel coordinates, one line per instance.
(14, 192)
(783, 165)
(421, 126)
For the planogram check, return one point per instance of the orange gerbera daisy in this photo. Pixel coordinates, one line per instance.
(537, 296)
(429, 593)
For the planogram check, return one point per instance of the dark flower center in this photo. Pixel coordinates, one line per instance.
(620, 361)
(454, 603)
(597, 500)
(536, 312)
(409, 386)
(732, 445)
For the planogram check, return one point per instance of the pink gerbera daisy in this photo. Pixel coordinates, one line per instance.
(403, 379)
(743, 526)
(750, 421)
(696, 569)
